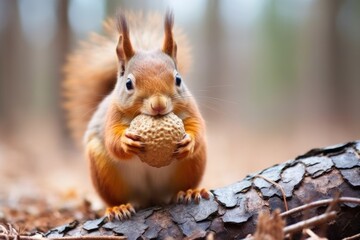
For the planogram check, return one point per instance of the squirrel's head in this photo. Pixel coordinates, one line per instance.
(148, 81)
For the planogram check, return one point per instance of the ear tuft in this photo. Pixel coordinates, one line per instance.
(169, 46)
(124, 48)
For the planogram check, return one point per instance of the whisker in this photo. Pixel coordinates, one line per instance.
(214, 109)
(201, 90)
(204, 97)
(218, 85)
(217, 99)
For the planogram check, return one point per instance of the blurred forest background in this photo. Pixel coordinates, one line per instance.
(273, 79)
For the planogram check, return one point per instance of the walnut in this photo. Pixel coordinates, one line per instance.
(160, 135)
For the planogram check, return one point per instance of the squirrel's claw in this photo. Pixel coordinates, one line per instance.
(133, 136)
(185, 147)
(132, 143)
(122, 212)
(194, 195)
(185, 141)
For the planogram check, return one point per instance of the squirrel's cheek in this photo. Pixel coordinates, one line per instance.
(144, 109)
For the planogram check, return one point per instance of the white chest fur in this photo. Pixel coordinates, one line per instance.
(151, 184)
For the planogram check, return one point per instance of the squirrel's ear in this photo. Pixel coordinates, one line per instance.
(124, 48)
(169, 46)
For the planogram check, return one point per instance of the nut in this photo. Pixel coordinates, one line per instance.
(160, 135)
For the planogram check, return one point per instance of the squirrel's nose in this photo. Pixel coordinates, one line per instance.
(158, 108)
(158, 104)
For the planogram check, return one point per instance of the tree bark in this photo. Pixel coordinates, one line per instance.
(231, 213)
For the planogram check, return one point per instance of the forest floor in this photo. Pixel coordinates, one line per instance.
(41, 189)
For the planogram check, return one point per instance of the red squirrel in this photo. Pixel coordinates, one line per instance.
(108, 85)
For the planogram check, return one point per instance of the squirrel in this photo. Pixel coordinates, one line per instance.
(108, 82)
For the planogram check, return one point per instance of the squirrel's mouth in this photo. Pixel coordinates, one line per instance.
(157, 106)
(157, 113)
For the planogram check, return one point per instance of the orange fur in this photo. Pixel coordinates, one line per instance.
(104, 175)
(190, 170)
(124, 48)
(117, 173)
(195, 127)
(113, 131)
(90, 71)
(169, 46)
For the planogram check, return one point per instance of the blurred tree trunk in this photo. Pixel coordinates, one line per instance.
(333, 72)
(61, 44)
(211, 48)
(10, 67)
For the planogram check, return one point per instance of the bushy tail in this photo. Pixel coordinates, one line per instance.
(90, 71)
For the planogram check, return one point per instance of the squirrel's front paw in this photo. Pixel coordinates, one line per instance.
(185, 147)
(132, 143)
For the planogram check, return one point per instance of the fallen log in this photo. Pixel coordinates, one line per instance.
(301, 188)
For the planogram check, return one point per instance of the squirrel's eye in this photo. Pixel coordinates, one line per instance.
(178, 80)
(129, 84)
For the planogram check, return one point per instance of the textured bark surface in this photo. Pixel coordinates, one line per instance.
(232, 211)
